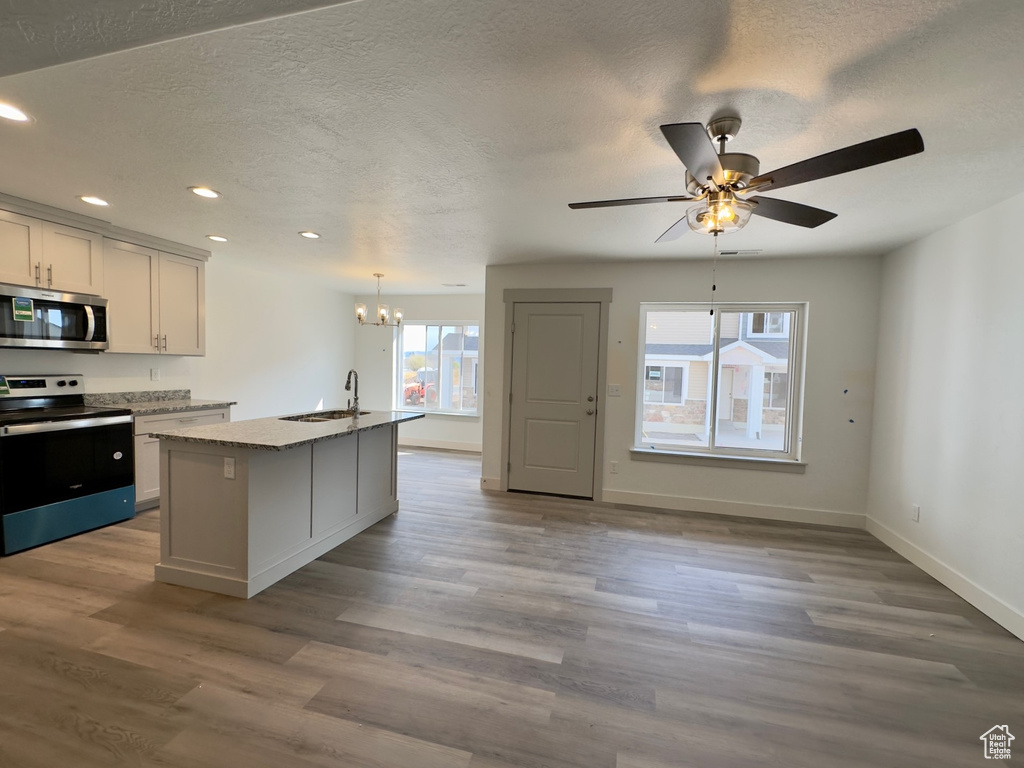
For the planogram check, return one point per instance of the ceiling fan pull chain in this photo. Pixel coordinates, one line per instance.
(714, 267)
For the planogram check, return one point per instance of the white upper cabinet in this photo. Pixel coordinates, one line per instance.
(182, 305)
(72, 260)
(51, 256)
(132, 291)
(157, 301)
(21, 248)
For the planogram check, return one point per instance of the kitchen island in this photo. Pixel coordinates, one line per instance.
(245, 503)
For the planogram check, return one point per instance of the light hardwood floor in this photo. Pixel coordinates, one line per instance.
(495, 631)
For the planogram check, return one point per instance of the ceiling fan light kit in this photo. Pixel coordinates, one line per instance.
(722, 184)
(721, 213)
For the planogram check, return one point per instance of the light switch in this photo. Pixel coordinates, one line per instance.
(614, 390)
(229, 468)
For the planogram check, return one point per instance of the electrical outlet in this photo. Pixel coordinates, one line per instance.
(229, 468)
(154, 374)
(614, 390)
(915, 513)
(614, 466)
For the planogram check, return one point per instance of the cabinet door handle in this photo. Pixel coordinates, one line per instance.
(49, 275)
(39, 278)
(188, 421)
(165, 342)
(156, 342)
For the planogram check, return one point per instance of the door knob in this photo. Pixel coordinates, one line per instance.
(590, 398)
(590, 411)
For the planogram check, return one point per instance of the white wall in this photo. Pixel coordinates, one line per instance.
(375, 360)
(842, 334)
(949, 416)
(269, 358)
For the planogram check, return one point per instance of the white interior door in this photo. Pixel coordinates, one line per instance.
(555, 352)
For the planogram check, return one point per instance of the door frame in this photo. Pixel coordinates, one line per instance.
(513, 296)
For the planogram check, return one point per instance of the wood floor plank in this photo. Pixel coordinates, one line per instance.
(321, 740)
(236, 672)
(478, 635)
(504, 631)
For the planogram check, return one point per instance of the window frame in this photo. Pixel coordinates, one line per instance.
(398, 382)
(663, 364)
(794, 404)
(752, 334)
(771, 391)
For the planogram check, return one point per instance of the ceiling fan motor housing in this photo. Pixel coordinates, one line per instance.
(739, 169)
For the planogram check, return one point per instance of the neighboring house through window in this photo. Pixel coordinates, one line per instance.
(438, 368)
(720, 384)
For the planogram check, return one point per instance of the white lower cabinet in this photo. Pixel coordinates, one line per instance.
(238, 531)
(335, 465)
(147, 449)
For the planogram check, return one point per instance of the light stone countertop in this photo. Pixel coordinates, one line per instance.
(155, 401)
(173, 406)
(278, 434)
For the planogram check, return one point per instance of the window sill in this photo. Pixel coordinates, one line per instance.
(712, 460)
(456, 414)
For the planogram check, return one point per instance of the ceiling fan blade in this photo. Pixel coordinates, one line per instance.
(630, 201)
(864, 155)
(693, 145)
(790, 213)
(674, 232)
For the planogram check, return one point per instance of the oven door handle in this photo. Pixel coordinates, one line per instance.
(90, 323)
(62, 426)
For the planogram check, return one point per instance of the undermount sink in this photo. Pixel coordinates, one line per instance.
(326, 415)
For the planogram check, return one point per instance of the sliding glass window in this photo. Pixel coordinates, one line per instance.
(724, 384)
(438, 368)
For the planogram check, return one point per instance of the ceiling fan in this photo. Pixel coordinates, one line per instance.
(723, 183)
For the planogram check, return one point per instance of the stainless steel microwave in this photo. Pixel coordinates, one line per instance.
(33, 318)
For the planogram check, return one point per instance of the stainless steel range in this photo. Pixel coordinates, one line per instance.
(65, 467)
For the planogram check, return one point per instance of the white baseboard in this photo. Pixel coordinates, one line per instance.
(490, 484)
(1001, 613)
(735, 508)
(443, 445)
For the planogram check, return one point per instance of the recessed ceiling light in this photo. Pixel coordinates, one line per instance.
(217, 238)
(310, 235)
(93, 200)
(204, 192)
(11, 112)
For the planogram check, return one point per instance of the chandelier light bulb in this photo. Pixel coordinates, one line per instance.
(385, 315)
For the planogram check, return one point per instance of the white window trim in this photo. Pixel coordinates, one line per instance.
(397, 389)
(796, 336)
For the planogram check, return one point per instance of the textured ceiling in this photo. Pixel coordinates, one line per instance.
(42, 33)
(428, 138)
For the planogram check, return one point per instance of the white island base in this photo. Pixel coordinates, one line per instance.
(238, 529)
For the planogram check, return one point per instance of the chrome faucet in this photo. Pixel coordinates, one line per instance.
(354, 404)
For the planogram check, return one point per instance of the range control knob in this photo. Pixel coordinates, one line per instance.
(62, 383)
(73, 383)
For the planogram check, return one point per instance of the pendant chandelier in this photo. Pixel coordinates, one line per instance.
(384, 316)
